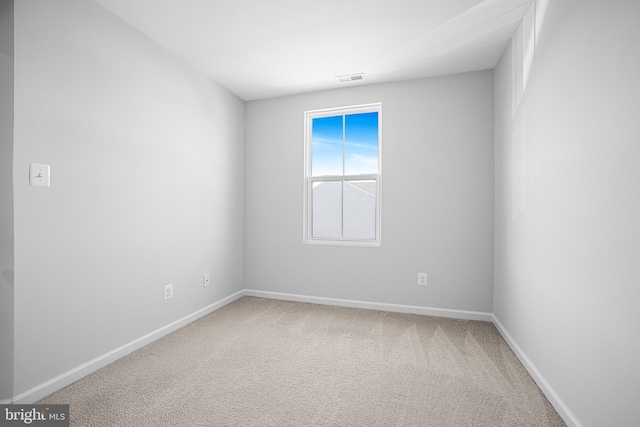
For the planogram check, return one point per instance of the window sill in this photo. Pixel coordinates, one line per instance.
(361, 243)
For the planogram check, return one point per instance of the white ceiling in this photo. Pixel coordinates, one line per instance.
(266, 48)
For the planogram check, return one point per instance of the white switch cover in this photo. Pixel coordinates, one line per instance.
(206, 280)
(39, 175)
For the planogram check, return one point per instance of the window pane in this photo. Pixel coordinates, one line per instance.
(326, 205)
(360, 210)
(326, 146)
(361, 143)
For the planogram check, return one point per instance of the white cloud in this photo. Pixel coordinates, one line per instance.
(364, 160)
(361, 145)
(322, 141)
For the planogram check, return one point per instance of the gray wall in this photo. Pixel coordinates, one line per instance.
(147, 177)
(437, 197)
(6, 200)
(567, 210)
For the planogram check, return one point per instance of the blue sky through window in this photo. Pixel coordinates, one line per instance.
(360, 139)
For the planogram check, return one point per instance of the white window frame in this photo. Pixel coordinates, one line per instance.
(309, 180)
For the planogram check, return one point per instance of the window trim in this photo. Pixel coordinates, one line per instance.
(309, 180)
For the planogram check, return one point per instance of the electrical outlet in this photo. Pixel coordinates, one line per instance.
(422, 279)
(168, 291)
(206, 281)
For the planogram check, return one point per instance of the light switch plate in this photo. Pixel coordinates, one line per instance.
(39, 175)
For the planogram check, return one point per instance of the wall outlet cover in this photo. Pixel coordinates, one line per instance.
(168, 291)
(422, 279)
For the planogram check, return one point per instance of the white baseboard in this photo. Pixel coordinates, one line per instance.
(397, 308)
(555, 400)
(6, 401)
(42, 390)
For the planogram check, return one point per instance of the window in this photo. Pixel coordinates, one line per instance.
(342, 175)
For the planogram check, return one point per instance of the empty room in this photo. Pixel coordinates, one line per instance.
(336, 213)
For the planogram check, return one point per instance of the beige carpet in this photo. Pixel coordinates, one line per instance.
(260, 362)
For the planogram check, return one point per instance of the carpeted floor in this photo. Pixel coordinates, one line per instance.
(261, 362)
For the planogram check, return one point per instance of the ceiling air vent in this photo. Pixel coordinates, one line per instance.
(350, 78)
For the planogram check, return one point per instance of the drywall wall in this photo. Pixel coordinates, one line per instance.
(147, 175)
(567, 204)
(6, 200)
(437, 193)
